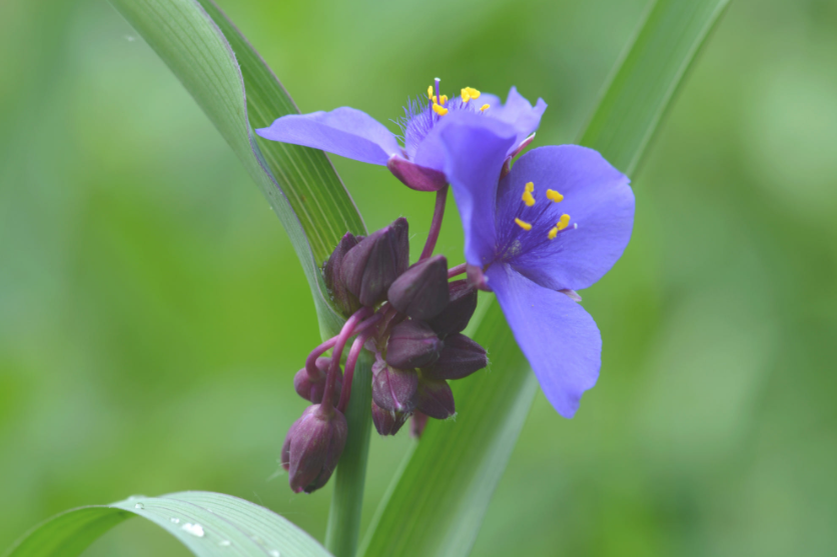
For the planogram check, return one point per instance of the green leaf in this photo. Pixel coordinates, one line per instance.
(652, 69)
(437, 501)
(216, 65)
(208, 524)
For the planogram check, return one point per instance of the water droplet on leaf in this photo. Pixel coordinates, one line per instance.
(139, 506)
(194, 529)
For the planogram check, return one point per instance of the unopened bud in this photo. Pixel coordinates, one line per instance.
(345, 300)
(369, 268)
(413, 344)
(422, 291)
(416, 177)
(387, 422)
(435, 399)
(460, 357)
(312, 388)
(456, 315)
(313, 447)
(393, 389)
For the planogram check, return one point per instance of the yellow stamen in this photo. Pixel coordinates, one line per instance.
(563, 222)
(553, 232)
(484, 107)
(466, 96)
(430, 92)
(472, 93)
(530, 187)
(528, 198)
(522, 224)
(440, 110)
(553, 195)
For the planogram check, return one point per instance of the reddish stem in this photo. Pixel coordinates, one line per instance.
(345, 333)
(351, 363)
(435, 224)
(310, 361)
(458, 270)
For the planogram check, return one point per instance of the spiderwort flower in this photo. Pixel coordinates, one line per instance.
(555, 223)
(420, 161)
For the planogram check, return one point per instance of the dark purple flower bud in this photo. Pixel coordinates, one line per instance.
(392, 388)
(456, 315)
(313, 447)
(416, 177)
(311, 388)
(345, 300)
(435, 399)
(460, 357)
(369, 268)
(422, 291)
(413, 344)
(387, 422)
(417, 424)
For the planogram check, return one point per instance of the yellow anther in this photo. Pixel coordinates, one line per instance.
(563, 222)
(553, 195)
(466, 96)
(440, 110)
(522, 224)
(553, 232)
(530, 187)
(528, 198)
(472, 93)
(484, 107)
(430, 92)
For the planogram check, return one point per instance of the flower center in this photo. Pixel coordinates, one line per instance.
(535, 225)
(419, 118)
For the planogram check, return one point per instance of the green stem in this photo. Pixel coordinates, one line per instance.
(343, 531)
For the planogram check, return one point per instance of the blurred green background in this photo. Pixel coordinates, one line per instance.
(152, 311)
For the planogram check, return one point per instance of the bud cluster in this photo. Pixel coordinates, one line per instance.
(411, 318)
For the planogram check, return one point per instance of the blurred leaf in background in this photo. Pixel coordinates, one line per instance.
(152, 311)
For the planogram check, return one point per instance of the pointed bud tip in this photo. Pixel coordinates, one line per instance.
(313, 446)
(370, 268)
(457, 314)
(392, 388)
(460, 357)
(422, 291)
(413, 344)
(416, 177)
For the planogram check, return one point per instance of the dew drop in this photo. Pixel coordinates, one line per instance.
(139, 506)
(275, 553)
(176, 520)
(194, 529)
(224, 543)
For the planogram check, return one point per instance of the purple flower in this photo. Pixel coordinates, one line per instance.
(555, 223)
(420, 161)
